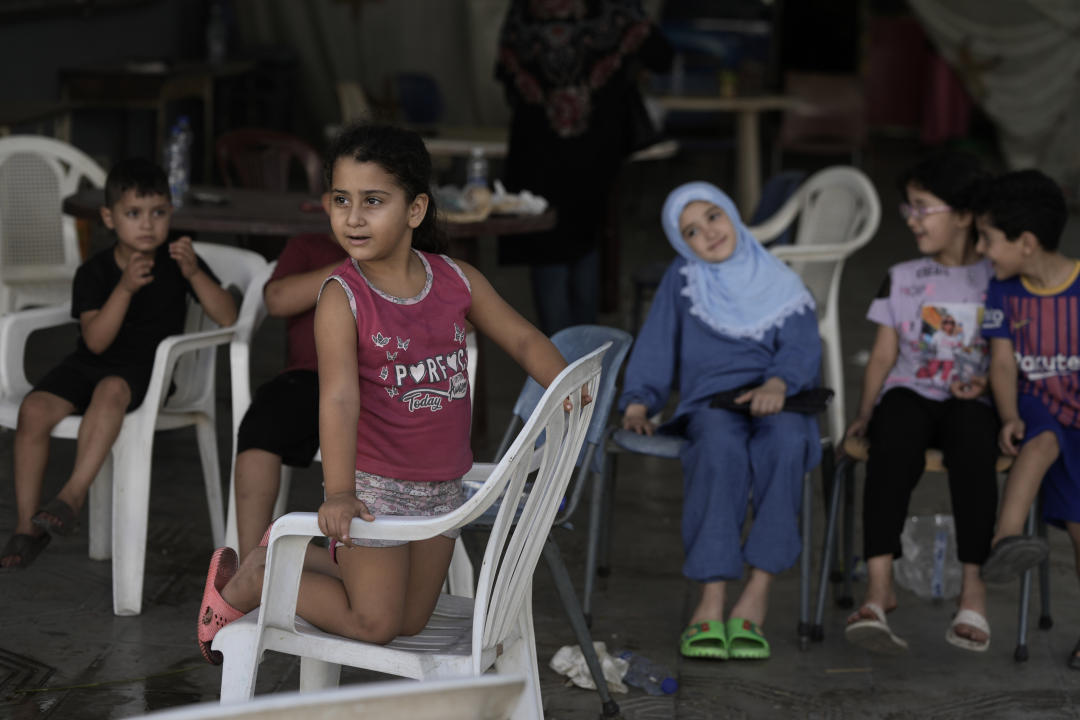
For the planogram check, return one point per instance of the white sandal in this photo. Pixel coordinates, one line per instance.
(972, 619)
(874, 634)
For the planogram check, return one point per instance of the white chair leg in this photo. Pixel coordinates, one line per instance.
(131, 506)
(459, 578)
(100, 507)
(241, 663)
(206, 436)
(282, 502)
(232, 538)
(520, 659)
(318, 674)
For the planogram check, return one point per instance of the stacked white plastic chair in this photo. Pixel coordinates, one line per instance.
(39, 246)
(838, 212)
(465, 636)
(120, 495)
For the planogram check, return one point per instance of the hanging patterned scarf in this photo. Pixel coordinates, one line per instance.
(558, 53)
(747, 294)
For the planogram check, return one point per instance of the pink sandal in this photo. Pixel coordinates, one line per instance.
(214, 612)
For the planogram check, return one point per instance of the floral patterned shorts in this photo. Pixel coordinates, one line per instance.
(386, 496)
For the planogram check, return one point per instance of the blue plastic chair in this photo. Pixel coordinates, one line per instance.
(575, 342)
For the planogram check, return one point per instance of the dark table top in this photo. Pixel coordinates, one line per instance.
(244, 211)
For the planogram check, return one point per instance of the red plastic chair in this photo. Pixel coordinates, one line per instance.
(261, 158)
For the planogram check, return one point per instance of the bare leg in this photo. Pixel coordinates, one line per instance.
(1022, 486)
(1074, 535)
(38, 415)
(879, 587)
(386, 592)
(753, 603)
(100, 425)
(972, 597)
(711, 605)
(258, 477)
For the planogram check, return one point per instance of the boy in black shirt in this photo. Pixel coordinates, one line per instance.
(127, 299)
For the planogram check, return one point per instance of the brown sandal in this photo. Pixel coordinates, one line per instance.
(56, 518)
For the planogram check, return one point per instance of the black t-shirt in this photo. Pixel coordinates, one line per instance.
(156, 311)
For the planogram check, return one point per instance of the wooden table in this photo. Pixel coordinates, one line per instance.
(747, 133)
(151, 86)
(15, 114)
(282, 214)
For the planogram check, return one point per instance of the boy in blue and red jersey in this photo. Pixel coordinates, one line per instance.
(1032, 319)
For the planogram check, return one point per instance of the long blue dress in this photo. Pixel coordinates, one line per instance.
(732, 458)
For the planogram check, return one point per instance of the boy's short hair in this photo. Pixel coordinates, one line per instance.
(138, 174)
(1024, 201)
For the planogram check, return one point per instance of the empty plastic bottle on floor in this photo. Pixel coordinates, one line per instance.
(177, 160)
(929, 567)
(653, 678)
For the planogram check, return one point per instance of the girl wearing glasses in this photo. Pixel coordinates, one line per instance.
(912, 400)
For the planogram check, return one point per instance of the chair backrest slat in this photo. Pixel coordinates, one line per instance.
(514, 545)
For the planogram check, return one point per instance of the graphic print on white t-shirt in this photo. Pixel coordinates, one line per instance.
(949, 342)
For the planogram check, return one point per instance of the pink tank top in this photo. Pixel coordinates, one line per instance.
(415, 411)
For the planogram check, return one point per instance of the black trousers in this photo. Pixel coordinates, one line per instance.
(903, 426)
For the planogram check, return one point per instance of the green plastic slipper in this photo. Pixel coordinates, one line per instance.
(704, 640)
(746, 641)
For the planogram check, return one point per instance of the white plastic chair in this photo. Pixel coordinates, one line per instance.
(465, 636)
(121, 491)
(475, 698)
(39, 247)
(838, 211)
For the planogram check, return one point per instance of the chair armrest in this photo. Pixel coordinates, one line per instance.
(169, 351)
(291, 534)
(15, 330)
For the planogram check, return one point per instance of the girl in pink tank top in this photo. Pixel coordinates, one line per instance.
(393, 396)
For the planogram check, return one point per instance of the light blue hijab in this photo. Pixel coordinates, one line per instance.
(747, 294)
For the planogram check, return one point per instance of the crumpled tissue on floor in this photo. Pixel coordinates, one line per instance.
(569, 660)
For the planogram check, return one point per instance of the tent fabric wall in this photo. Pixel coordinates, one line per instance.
(1020, 61)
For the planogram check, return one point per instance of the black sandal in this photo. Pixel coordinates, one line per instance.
(25, 547)
(1012, 556)
(56, 518)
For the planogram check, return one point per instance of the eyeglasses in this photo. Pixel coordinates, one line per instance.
(919, 212)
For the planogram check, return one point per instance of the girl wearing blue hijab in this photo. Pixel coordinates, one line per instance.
(728, 315)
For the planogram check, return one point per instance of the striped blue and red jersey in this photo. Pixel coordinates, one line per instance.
(1044, 327)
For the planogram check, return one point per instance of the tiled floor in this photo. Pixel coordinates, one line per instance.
(64, 655)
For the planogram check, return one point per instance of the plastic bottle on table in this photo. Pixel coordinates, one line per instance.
(653, 678)
(477, 194)
(177, 160)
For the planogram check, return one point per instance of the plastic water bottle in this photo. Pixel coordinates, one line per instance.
(651, 677)
(177, 160)
(477, 194)
(476, 173)
(929, 567)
